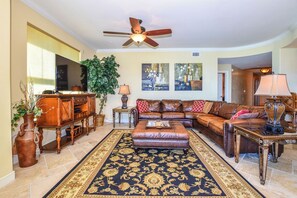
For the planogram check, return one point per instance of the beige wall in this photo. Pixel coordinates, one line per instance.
(6, 171)
(130, 71)
(238, 86)
(289, 66)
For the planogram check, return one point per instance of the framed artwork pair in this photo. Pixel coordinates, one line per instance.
(187, 77)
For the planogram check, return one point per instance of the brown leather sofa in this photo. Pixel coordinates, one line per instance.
(216, 124)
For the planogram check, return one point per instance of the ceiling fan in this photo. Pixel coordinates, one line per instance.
(139, 34)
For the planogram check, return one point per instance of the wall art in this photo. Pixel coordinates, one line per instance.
(155, 76)
(188, 76)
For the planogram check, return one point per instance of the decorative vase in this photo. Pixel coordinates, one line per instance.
(100, 119)
(25, 144)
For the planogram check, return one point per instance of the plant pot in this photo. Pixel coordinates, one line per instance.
(100, 119)
(25, 144)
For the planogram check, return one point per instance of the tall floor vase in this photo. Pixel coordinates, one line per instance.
(25, 144)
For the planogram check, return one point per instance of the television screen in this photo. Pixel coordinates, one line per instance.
(70, 75)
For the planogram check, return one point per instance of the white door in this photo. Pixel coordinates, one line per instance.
(221, 87)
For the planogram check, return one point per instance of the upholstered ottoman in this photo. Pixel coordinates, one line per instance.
(176, 137)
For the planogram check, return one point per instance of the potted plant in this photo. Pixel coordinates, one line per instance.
(27, 137)
(102, 80)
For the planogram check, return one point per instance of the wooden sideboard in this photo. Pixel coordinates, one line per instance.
(61, 110)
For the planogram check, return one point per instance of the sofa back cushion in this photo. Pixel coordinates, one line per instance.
(227, 110)
(171, 105)
(153, 105)
(187, 105)
(198, 106)
(216, 107)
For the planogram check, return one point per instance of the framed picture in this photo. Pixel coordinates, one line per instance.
(188, 76)
(155, 77)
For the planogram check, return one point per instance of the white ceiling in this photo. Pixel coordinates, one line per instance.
(194, 23)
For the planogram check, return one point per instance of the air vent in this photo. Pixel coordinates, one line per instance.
(195, 53)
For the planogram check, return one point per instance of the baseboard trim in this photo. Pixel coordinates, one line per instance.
(7, 179)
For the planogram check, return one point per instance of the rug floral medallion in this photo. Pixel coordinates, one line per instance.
(115, 169)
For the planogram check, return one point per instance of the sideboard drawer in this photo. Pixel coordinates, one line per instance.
(80, 100)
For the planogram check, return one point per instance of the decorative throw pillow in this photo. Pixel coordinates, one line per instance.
(198, 106)
(241, 112)
(248, 115)
(142, 106)
(207, 107)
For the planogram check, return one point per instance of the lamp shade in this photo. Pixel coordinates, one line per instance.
(273, 85)
(124, 90)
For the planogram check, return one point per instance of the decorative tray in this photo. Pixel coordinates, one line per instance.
(159, 124)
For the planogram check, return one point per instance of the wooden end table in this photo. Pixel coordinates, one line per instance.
(264, 141)
(119, 110)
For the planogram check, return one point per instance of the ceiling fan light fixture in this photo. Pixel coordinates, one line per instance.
(138, 38)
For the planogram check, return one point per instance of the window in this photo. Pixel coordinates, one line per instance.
(41, 58)
(40, 68)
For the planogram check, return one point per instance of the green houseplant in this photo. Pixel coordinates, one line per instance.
(27, 137)
(102, 78)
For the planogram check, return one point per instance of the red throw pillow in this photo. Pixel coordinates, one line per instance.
(241, 112)
(142, 106)
(198, 106)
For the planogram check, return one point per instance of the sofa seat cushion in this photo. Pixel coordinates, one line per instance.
(217, 126)
(193, 115)
(150, 115)
(205, 119)
(173, 115)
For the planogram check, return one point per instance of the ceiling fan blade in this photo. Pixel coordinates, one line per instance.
(135, 25)
(158, 32)
(151, 42)
(127, 42)
(118, 33)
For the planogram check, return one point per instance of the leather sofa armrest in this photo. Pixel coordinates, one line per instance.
(229, 131)
(253, 122)
(135, 115)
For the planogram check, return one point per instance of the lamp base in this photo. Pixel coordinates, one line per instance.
(271, 129)
(124, 101)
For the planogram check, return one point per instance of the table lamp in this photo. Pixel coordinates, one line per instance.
(124, 91)
(273, 85)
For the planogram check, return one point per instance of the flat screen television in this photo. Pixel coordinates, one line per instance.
(70, 75)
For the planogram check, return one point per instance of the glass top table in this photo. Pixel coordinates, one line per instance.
(264, 140)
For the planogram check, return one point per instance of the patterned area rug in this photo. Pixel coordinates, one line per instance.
(114, 169)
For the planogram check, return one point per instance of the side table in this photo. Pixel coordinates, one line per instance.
(119, 110)
(264, 141)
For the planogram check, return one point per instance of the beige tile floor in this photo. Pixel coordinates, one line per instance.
(35, 181)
